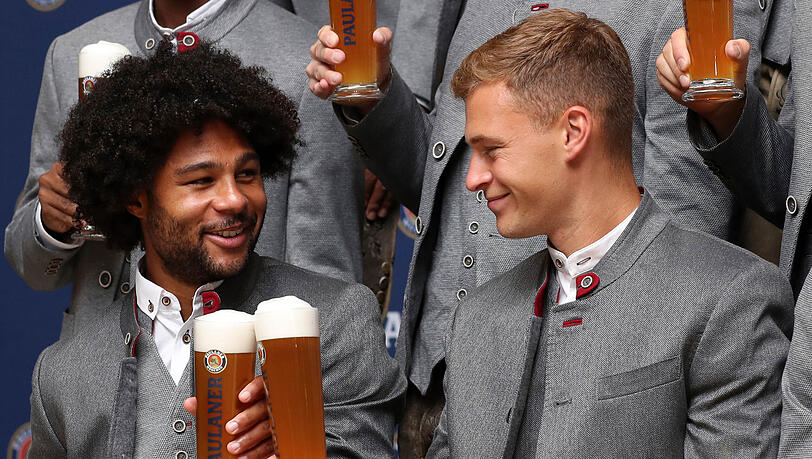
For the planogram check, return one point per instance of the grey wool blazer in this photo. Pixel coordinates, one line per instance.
(83, 401)
(414, 154)
(313, 216)
(769, 163)
(676, 352)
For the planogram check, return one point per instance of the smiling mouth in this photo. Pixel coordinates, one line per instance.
(229, 233)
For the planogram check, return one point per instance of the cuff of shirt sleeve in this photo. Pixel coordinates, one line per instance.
(45, 239)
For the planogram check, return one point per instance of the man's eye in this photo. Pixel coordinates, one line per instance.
(248, 173)
(200, 181)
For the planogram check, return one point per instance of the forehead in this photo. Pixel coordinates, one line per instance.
(491, 109)
(216, 141)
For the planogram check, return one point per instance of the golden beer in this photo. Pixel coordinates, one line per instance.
(354, 21)
(288, 349)
(225, 349)
(709, 26)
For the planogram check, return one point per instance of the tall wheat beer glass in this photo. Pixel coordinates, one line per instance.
(225, 348)
(94, 60)
(287, 332)
(354, 22)
(709, 25)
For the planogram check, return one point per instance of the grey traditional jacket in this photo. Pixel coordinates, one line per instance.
(313, 214)
(673, 349)
(769, 164)
(422, 158)
(84, 405)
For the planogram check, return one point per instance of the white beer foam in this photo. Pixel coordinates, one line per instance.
(96, 58)
(286, 317)
(226, 330)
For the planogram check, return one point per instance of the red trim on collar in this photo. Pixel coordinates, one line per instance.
(586, 283)
(538, 303)
(211, 302)
(539, 7)
(135, 314)
(182, 44)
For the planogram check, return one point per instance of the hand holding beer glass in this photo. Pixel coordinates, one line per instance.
(225, 349)
(287, 332)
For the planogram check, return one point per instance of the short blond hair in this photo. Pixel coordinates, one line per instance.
(555, 60)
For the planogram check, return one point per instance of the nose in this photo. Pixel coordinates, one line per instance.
(479, 173)
(230, 198)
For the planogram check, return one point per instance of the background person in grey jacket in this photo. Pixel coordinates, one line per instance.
(422, 159)
(767, 163)
(314, 211)
(631, 335)
(193, 197)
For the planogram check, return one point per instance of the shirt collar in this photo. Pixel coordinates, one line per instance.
(201, 14)
(149, 293)
(583, 260)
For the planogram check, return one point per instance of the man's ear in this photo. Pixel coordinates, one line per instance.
(139, 204)
(577, 122)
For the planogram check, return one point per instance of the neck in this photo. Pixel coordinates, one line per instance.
(173, 13)
(157, 273)
(594, 209)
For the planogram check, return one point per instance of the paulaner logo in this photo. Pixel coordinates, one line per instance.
(45, 5)
(348, 21)
(214, 414)
(215, 361)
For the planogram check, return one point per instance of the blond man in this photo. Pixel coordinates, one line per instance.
(631, 335)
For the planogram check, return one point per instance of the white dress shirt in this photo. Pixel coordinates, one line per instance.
(198, 16)
(582, 261)
(168, 326)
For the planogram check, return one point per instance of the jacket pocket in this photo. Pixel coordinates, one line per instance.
(640, 379)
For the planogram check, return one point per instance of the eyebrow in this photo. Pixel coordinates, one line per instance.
(206, 165)
(484, 139)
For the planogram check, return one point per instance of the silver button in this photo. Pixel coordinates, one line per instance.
(418, 225)
(438, 151)
(127, 339)
(386, 268)
(186, 338)
(181, 455)
(179, 426)
(468, 261)
(166, 301)
(150, 43)
(480, 196)
(383, 282)
(558, 263)
(189, 40)
(473, 227)
(461, 293)
(762, 4)
(150, 307)
(792, 205)
(168, 35)
(586, 282)
(105, 278)
(125, 288)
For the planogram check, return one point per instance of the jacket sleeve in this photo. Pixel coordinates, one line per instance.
(42, 268)
(796, 385)
(363, 386)
(755, 161)
(325, 197)
(733, 380)
(44, 442)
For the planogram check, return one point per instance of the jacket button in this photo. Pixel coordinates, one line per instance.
(125, 288)
(792, 205)
(179, 426)
(181, 455)
(187, 338)
(150, 43)
(468, 261)
(480, 196)
(438, 151)
(418, 225)
(105, 279)
(150, 307)
(762, 4)
(166, 301)
(461, 293)
(473, 227)
(127, 339)
(586, 282)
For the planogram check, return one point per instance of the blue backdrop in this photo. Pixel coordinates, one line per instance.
(30, 320)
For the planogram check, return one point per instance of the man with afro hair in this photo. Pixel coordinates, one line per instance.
(169, 153)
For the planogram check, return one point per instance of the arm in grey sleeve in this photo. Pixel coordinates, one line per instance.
(41, 267)
(734, 378)
(325, 197)
(796, 385)
(393, 139)
(363, 386)
(44, 442)
(755, 161)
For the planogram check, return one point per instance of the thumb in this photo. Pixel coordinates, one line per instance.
(739, 52)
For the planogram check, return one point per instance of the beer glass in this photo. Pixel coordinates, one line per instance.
(709, 26)
(94, 60)
(225, 348)
(354, 22)
(287, 331)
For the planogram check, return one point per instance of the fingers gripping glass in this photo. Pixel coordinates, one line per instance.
(354, 22)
